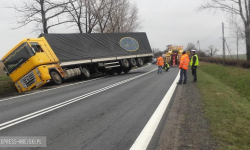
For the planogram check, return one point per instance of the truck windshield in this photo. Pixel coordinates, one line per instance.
(18, 57)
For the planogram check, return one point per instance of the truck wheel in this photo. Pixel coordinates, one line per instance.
(85, 73)
(125, 63)
(55, 77)
(139, 62)
(132, 62)
(126, 70)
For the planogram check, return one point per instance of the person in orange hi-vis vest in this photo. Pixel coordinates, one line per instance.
(160, 63)
(183, 67)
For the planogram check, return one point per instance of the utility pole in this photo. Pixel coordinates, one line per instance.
(198, 42)
(223, 39)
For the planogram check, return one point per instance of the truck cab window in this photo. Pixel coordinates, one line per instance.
(18, 57)
(36, 47)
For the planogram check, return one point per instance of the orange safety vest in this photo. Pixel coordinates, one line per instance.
(160, 61)
(184, 62)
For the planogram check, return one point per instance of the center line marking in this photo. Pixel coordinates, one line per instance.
(59, 105)
(62, 86)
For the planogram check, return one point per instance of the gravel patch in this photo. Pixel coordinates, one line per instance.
(185, 127)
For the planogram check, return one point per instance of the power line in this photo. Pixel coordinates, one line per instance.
(212, 34)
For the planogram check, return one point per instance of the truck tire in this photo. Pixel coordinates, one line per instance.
(125, 63)
(85, 73)
(126, 70)
(55, 77)
(139, 62)
(132, 62)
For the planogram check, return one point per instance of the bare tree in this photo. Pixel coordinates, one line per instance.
(108, 15)
(93, 15)
(236, 28)
(212, 50)
(124, 17)
(242, 8)
(132, 21)
(102, 10)
(157, 52)
(82, 15)
(43, 13)
(75, 10)
(190, 46)
(202, 53)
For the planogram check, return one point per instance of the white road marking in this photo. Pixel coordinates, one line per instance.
(61, 87)
(59, 105)
(148, 131)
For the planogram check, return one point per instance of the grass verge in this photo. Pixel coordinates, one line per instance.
(226, 109)
(6, 86)
(237, 78)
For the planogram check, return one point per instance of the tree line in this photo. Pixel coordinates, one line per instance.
(88, 16)
(209, 52)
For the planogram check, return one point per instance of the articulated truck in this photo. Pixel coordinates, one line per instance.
(57, 57)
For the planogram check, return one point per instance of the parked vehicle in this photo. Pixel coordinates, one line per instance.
(154, 61)
(56, 57)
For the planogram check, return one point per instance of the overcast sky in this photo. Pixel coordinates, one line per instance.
(165, 21)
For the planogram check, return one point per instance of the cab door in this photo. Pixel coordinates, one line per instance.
(41, 52)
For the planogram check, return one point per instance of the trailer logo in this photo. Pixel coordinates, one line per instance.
(129, 44)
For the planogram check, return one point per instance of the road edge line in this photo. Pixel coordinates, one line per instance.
(148, 131)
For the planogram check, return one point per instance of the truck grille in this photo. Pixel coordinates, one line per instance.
(28, 79)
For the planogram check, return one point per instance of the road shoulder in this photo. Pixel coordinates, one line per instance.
(186, 127)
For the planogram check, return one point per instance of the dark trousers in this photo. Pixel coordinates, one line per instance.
(183, 72)
(194, 72)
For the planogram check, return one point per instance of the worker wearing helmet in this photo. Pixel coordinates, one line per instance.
(184, 67)
(160, 63)
(194, 64)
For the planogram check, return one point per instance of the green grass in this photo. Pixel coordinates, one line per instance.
(6, 85)
(237, 78)
(227, 110)
(2, 73)
(5, 78)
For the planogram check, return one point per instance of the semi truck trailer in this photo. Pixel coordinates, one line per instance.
(33, 62)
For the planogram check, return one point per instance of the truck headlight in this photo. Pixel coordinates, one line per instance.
(18, 86)
(37, 72)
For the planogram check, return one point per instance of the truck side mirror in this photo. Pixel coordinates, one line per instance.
(6, 72)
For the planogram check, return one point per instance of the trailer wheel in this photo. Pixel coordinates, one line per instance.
(139, 62)
(85, 73)
(55, 77)
(132, 62)
(125, 63)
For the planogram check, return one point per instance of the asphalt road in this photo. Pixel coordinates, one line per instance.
(103, 114)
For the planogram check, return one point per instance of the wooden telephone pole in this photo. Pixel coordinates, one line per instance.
(223, 39)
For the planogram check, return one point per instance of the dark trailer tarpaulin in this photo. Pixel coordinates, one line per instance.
(71, 47)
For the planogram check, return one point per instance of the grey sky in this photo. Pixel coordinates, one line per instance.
(164, 21)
